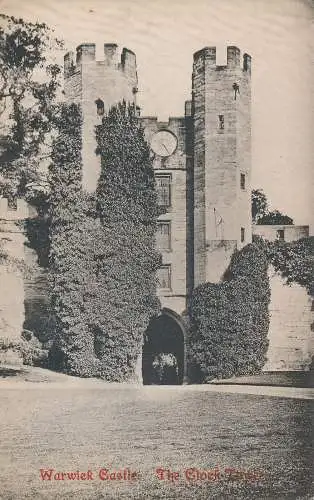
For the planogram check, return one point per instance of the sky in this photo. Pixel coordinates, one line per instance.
(164, 34)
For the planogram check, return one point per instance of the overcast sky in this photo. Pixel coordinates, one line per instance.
(164, 34)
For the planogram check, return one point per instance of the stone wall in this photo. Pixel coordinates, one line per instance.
(291, 314)
(271, 232)
(222, 152)
(290, 332)
(175, 166)
(86, 81)
(12, 241)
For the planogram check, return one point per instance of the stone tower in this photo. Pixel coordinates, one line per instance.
(96, 86)
(221, 107)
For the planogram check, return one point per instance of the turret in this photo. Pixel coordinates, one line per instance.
(96, 86)
(221, 107)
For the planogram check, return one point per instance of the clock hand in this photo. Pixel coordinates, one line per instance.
(165, 148)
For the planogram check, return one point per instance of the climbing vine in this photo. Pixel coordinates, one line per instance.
(102, 262)
(293, 260)
(230, 320)
(127, 261)
(69, 258)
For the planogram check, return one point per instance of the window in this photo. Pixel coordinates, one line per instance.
(280, 234)
(221, 122)
(242, 234)
(100, 107)
(242, 181)
(236, 89)
(163, 236)
(163, 187)
(164, 277)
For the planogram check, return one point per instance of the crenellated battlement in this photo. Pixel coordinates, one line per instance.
(20, 212)
(158, 125)
(86, 54)
(208, 54)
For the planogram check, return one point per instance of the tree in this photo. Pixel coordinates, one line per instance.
(275, 217)
(259, 204)
(261, 214)
(29, 82)
(127, 262)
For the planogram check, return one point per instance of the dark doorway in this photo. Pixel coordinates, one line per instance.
(163, 352)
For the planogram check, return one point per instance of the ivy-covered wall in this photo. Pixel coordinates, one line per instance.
(103, 260)
(128, 261)
(229, 320)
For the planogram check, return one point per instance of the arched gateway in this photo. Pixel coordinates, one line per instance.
(163, 360)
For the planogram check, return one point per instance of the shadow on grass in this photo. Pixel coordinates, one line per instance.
(10, 372)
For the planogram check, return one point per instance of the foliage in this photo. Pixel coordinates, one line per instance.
(102, 263)
(295, 261)
(261, 214)
(259, 204)
(32, 351)
(127, 261)
(229, 320)
(67, 272)
(275, 217)
(29, 82)
(165, 369)
(28, 347)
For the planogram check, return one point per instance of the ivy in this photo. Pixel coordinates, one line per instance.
(293, 260)
(127, 260)
(102, 262)
(68, 261)
(230, 320)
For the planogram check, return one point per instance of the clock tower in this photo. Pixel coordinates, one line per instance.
(168, 141)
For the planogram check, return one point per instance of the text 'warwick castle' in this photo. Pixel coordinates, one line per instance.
(202, 163)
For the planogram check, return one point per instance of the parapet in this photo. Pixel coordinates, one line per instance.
(158, 125)
(20, 212)
(208, 54)
(86, 53)
(280, 231)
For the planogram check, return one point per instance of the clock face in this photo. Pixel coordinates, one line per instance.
(164, 143)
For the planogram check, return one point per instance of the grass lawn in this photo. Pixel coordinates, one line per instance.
(282, 379)
(89, 428)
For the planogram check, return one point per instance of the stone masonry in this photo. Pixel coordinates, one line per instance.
(209, 171)
(221, 97)
(87, 81)
(12, 313)
(205, 183)
(290, 310)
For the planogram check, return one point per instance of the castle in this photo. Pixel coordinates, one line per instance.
(202, 163)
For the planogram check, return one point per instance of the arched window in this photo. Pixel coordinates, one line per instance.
(100, 107)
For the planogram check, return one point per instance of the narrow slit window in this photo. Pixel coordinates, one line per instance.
(242, 181)
(236, 90)
(242, 234)
(221, 122)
